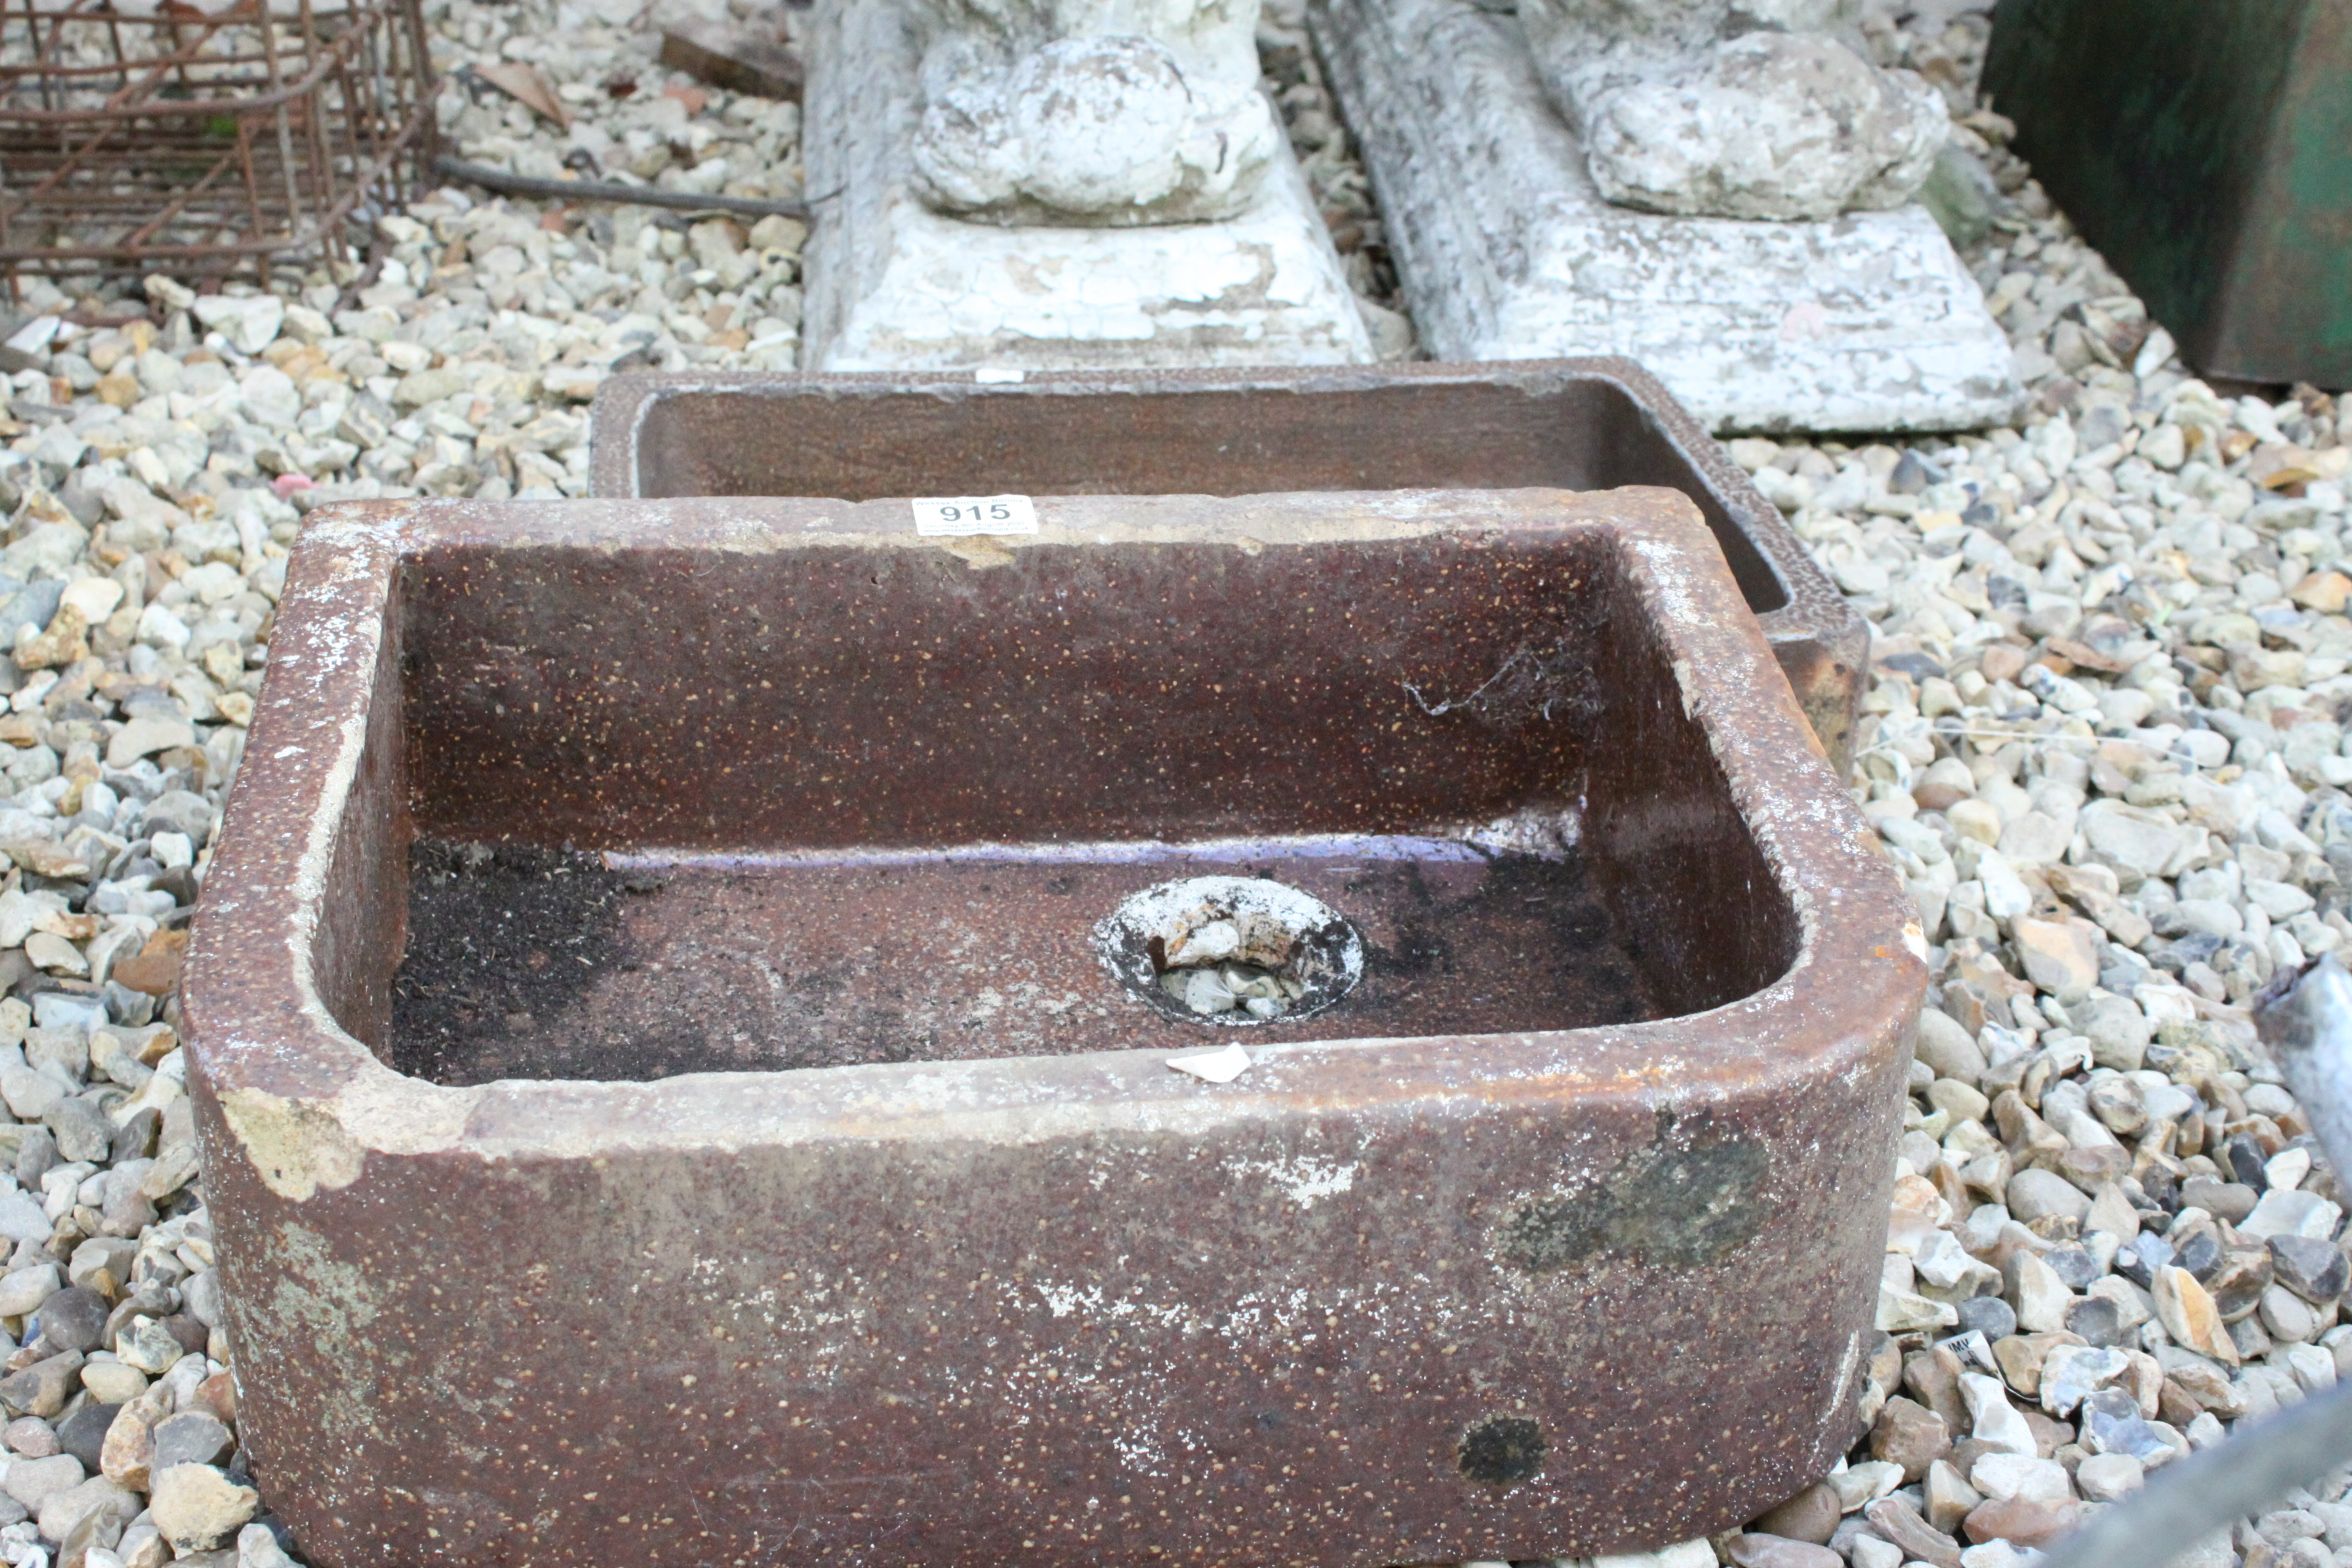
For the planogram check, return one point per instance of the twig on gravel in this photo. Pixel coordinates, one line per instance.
(507, 183)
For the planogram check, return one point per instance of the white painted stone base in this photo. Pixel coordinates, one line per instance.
(1865, 322)
(892, 285)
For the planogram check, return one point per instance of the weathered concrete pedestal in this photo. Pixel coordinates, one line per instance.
(894, 284)
(1862, 322)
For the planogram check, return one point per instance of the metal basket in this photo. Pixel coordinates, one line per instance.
(206, 137)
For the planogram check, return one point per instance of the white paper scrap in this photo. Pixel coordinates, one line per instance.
(1220, 1066)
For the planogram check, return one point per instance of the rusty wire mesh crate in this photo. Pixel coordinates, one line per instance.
(143, 135)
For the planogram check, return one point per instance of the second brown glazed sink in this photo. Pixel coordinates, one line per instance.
(1575, 424)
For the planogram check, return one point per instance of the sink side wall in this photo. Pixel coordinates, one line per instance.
(1698, 907)
(363, 905)
(900, 693)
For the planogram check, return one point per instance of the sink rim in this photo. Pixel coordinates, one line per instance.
(309, 1101)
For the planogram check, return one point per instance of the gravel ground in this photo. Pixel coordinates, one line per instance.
(2105, 745)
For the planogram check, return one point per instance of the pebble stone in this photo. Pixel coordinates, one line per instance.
(197, 1507)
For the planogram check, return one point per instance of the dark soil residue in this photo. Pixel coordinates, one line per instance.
(501, 937)
(1527, 916)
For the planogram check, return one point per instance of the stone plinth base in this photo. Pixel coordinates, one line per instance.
(894, 285)
(1865, 322)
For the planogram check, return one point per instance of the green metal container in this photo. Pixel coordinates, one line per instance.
(2206, 147)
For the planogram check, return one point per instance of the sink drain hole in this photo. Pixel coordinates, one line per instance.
(1231, 950)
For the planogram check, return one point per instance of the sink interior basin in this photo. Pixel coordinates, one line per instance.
(866, 797)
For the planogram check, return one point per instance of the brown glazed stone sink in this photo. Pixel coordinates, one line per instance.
(673, 1087)
(1574, 424)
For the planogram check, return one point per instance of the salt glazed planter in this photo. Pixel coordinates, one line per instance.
(1578, 424)
(677, 1083)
